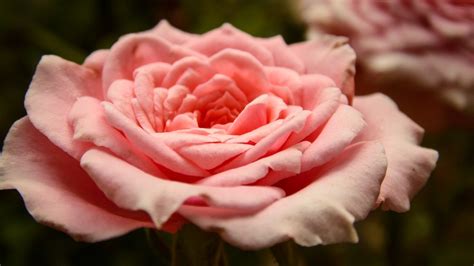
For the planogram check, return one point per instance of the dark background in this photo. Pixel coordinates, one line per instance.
(437, 231)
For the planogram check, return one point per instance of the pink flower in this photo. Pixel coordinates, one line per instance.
(252, 138)
(419, 44)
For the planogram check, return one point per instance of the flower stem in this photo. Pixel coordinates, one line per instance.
(225, 260)
(174, 247)
(287, 254)
(220, 258)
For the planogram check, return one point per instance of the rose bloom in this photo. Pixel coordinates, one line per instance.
(425, 45)
(249, 137)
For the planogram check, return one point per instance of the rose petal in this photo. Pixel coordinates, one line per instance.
(222, 83)
(283, 77)
(272, 141)
(215, 132)
(244, 69)
(282, 56)
(456, 11)
(343, 126)
(374, 14)
(262, 110)
(307, 94)
(326, 103)
(256, 135)
(121, 94)
(174, 97)
(288, 160)
(188, 104)
(252, 117)
(135, 50)
(96, 60)
(90, 125)
(57, 192)
(133, 189)
(142, 117)
(330, 56)
(200, 67)
(321, 213)
(157, 71)
(211, 155)
(228, 37)
(165, 30)
(56, 85)
(285, 81)
(155, 149)
(143, 89)
(404, 36)
(182, 121)
(176, 140)
(409, 165)
(227, 101)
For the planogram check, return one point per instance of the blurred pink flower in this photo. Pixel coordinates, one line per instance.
(255, 139)
(409, 44)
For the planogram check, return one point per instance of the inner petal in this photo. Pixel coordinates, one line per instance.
(211, 155)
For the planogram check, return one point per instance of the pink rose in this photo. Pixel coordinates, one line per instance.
(419, 44)
(249, 137)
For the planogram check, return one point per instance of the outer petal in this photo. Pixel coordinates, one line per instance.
(90, 125)
(331, 56)
(321, 213)
(282, 56)
(409, 165)
(55, 87)
(57, 192)
(133, 189)
(172, 34)
(96, 60)
(228, 37)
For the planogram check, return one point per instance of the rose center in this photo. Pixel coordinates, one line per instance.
(205, 107)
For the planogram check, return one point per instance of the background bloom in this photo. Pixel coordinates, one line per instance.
(255, 139)
(417, 45)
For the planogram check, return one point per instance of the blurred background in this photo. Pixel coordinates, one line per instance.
(439, 230)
